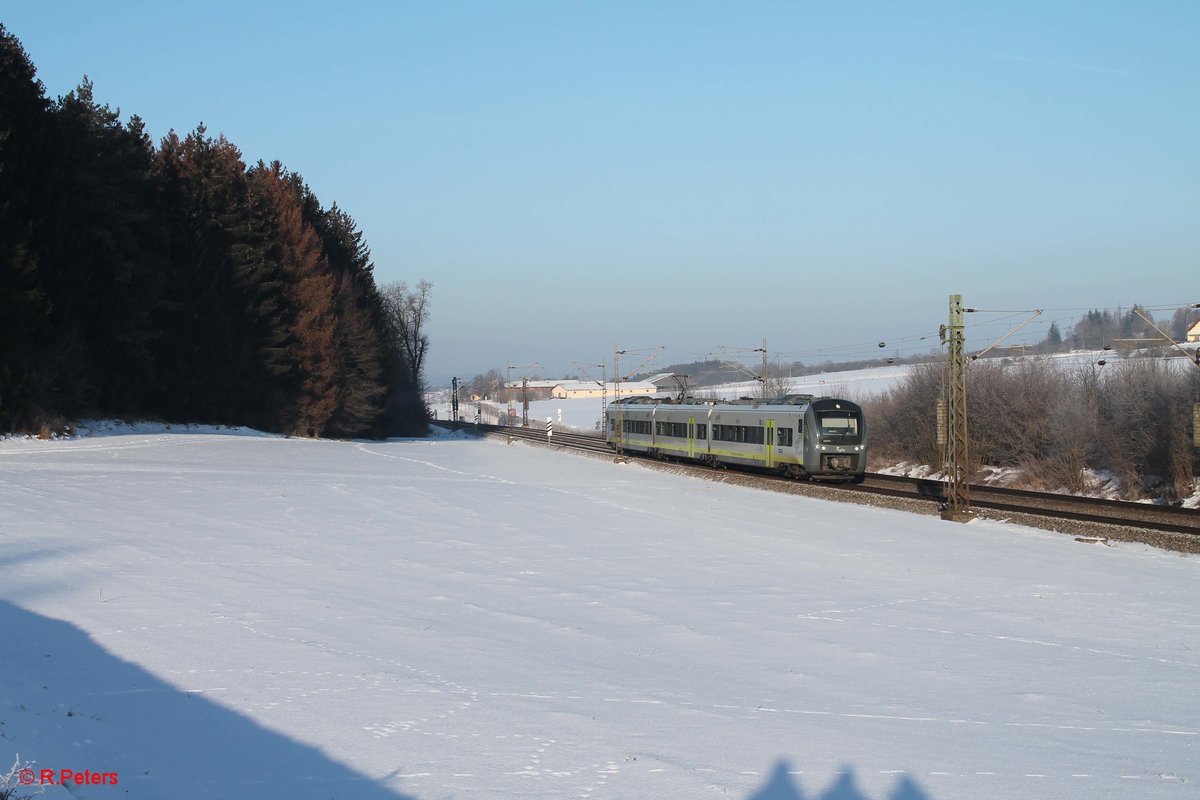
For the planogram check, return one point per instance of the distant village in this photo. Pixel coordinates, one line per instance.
(570, 389)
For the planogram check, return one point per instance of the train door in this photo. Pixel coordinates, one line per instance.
(691, 431)
(770, 437)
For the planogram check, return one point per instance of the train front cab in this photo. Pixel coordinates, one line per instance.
(836, 448)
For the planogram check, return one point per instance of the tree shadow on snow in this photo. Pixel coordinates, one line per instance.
(780, 786)
(67, 703)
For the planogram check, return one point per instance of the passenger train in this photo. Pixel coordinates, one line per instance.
(822, 438)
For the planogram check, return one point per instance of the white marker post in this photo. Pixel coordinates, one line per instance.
(549, 428)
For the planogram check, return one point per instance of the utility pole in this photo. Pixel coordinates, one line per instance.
(958, 500)
(524, 401)
(602, 383)
(454, 404)
(733, 363)
(512, 411)
(765, 373)
(952, 432)
(619, 422)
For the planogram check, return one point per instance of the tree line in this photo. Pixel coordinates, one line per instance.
(1062, 428)
(1129, 418)
(173, 281)
(1104, 328)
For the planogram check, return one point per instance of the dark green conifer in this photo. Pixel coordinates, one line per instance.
(24, 155)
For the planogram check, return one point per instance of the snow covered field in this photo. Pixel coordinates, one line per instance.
(225, 616)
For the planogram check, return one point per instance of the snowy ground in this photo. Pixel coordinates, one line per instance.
(228, 616)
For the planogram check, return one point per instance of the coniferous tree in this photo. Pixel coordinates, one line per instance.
(104, 257)
(309, 290)
(232, 320)
(173, 282)
(1182, 320)
(24, 154)
(361, 347)
(1054, 338)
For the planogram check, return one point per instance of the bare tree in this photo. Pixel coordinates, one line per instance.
(902, 419)
(776, 385)
(407, 312)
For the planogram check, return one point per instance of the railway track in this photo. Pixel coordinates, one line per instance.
(991, 500)
(1021, 501)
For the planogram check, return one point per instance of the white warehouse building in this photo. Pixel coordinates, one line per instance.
(566, 390)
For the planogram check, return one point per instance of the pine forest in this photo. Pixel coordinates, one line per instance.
(171, 281)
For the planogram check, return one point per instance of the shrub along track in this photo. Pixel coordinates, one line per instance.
(1092, 520)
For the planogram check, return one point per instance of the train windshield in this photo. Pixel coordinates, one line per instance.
(838, 426)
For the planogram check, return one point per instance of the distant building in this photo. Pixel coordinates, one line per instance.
(533, 390)
(1193, 334)
(567, 390)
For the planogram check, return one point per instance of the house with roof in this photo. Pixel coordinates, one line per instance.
(567, 390)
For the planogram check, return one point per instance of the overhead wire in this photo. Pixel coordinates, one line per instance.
(908, 346)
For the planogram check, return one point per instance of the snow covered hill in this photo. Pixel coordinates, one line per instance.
(206, 615)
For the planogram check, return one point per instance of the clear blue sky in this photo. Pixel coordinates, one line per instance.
(577, 175)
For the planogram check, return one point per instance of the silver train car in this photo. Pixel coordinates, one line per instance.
(822, 438)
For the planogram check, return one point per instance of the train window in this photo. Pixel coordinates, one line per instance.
(701, 430)
(746, 434)
(677, 430)
(838, 425)
(637, 426)
(641, 426)
(785, 437)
